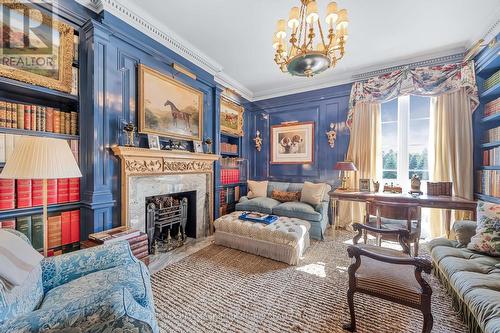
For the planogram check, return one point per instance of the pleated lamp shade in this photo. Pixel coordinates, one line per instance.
(41, 158)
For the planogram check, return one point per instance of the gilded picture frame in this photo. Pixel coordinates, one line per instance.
(168, 107)
(292, 143)
(231, 117)
(58, 77)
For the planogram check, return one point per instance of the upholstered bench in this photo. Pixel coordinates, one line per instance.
(284, 240)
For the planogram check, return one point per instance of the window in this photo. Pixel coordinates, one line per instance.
(405, 139)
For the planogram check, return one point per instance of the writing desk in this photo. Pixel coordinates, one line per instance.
(427, 201)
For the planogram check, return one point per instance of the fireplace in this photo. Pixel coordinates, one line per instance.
(170, 219)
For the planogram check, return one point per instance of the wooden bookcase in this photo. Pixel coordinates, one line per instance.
(12, 91)
(487, 64)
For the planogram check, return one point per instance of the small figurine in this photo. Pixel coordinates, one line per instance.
(208, 142)
(415, 185)
(258, 141)
(376, 186)
(331, 135)
(129, 129)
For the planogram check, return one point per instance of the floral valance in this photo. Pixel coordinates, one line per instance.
(423, 81)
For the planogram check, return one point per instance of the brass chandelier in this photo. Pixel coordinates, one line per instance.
(309, 50)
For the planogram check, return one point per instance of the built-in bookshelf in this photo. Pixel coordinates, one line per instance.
(30, 110)
(487, 124)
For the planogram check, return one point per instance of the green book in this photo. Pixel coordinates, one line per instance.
(37, 232)
(23, 224)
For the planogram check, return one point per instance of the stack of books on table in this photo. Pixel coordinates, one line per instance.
(138, 240)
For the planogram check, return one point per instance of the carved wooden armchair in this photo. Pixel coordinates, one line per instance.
(393, 216)
(388, 274)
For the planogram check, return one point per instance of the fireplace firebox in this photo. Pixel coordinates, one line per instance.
(170, 219)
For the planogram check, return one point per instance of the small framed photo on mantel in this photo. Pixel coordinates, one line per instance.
(197, 146)
(153, 142)
(364, 185)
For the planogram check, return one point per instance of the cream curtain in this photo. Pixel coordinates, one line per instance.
(452, 142)
(365, 152)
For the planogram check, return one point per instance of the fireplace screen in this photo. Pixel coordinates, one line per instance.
(166, 220)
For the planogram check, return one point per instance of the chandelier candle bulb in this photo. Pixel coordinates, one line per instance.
(331, 14)
(342, 20)
(281, 29)
(293, 21)
(312, 12)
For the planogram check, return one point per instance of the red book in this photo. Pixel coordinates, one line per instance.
(75, 226)
(8, 224)
(49, 119)
(7, 194)
(23, 193)
(62, 190)
(74, 189)
(51, 191)
(36, 192)
(65, 228)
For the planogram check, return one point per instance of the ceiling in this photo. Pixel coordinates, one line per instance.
(237, 34)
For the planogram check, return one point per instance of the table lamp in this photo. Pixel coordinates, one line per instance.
(41, 158)
(344, 167)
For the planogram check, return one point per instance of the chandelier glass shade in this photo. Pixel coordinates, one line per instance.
(310, 50)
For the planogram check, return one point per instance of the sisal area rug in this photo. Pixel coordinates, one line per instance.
(218, 289)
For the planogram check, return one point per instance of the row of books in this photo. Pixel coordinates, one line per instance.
(492, 108)
(38, 118)
(228, 148)
(63, 229)
(230, 176)
(492, 135)
(24, 193)
(229, 162)
(228, 197)
(138, 240)
(492, 80)
(488, 182)
(9, 141)
(491, 157)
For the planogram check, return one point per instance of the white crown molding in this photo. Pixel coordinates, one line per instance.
(491, 30)
(142, 21)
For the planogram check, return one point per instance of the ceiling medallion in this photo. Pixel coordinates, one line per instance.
(309, 51)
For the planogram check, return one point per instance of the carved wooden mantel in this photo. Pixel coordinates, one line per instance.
(143, 162)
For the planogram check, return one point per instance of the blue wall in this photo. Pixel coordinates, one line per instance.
(321, 106)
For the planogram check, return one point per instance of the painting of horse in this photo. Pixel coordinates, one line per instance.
(169, 108)
(231, 117)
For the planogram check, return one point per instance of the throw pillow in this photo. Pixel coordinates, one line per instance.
(257, 189)
(312, 193)
(284, 196)
(487, 238)
(17, 258)
(464, 230)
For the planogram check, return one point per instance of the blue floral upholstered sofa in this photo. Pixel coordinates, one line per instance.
(317, 215)
(101, 289)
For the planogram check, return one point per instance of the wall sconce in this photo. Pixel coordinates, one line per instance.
(331, 135)
(258, 141)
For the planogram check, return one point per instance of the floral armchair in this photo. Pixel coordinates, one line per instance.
(100, 289)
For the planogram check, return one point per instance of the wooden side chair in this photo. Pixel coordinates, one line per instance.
(388, 274)
(394, 216)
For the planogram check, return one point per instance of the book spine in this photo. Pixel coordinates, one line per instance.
(36, 192)
(27, 117)
(14, 115)
(138, 239)
(67, 123)
(33, 118)
(3, 113)
(62, 190)
(51, 191)
(8, 115)
(8, 224)
(39, 112)
(74, 189)
(20, 116)
(65, 228)
(49, 121)
(23, 225)
(37, 232)
(138, 245)
(54, 231)
(75, 226)
(73, 123)
(24, 193)
(7, 194)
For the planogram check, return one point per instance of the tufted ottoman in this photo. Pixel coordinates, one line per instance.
(284, 240)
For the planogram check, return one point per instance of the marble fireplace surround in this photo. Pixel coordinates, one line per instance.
(146, 172)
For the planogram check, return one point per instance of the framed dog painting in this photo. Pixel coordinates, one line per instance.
(292, 143)
(168, 107)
